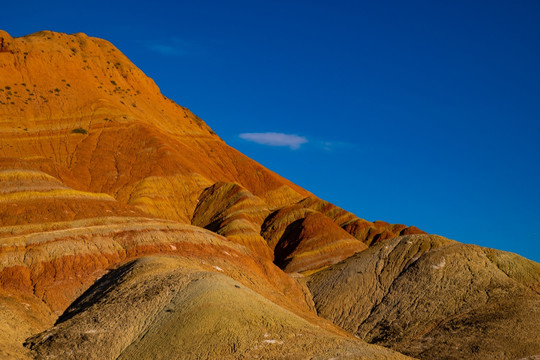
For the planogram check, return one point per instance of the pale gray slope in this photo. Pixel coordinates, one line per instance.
(434, 298)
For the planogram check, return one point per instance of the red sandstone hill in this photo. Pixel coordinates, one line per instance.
(130, 226)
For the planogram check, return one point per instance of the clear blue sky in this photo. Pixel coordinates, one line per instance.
(418, 112)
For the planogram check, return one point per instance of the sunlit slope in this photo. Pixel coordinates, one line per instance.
(127, 222)
(55, 241)
(365, 231)
(232, 211)
(76, 108)
(32, 197)
(304, 239)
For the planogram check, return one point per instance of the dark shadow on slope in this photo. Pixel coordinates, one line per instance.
(288, 243)
(96, 292)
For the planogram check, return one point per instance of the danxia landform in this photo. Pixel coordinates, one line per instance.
(129, 229)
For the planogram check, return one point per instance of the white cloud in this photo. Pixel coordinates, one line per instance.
(275, 139)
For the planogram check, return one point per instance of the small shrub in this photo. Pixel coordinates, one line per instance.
(113, 82)
(79, 130)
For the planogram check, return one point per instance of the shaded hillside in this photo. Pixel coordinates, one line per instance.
(303, 239)
(434, 298)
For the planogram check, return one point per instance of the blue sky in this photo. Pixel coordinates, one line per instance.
(419, 112)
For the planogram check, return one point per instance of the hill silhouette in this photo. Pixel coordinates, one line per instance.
(128, 228)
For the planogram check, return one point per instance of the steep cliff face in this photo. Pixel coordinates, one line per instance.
(126, 222)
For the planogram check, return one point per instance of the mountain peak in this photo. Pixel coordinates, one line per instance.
(75, 105)
(123, 215)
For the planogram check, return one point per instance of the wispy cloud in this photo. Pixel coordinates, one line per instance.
(334, 145)
(171, 47)
(275, 139)
(165, 49)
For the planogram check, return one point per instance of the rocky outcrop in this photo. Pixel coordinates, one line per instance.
(304, 240)
(433, 298)
(5, 41)
(232, 211)
(365, 231)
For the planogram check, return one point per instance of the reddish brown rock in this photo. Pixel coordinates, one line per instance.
(365, 231)
(304, 239)
(232, 211)
(93, 120)
(101, 179)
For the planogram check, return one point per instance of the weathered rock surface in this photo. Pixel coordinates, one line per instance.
(169, 308)
(21, 316)
(366, 231)
(232, 211)
(77, 109)
(433, 298)
(303, 239)
(125, 215)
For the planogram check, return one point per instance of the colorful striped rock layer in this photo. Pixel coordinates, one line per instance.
(129, 229)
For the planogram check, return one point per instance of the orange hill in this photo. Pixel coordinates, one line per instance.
(115, 198)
